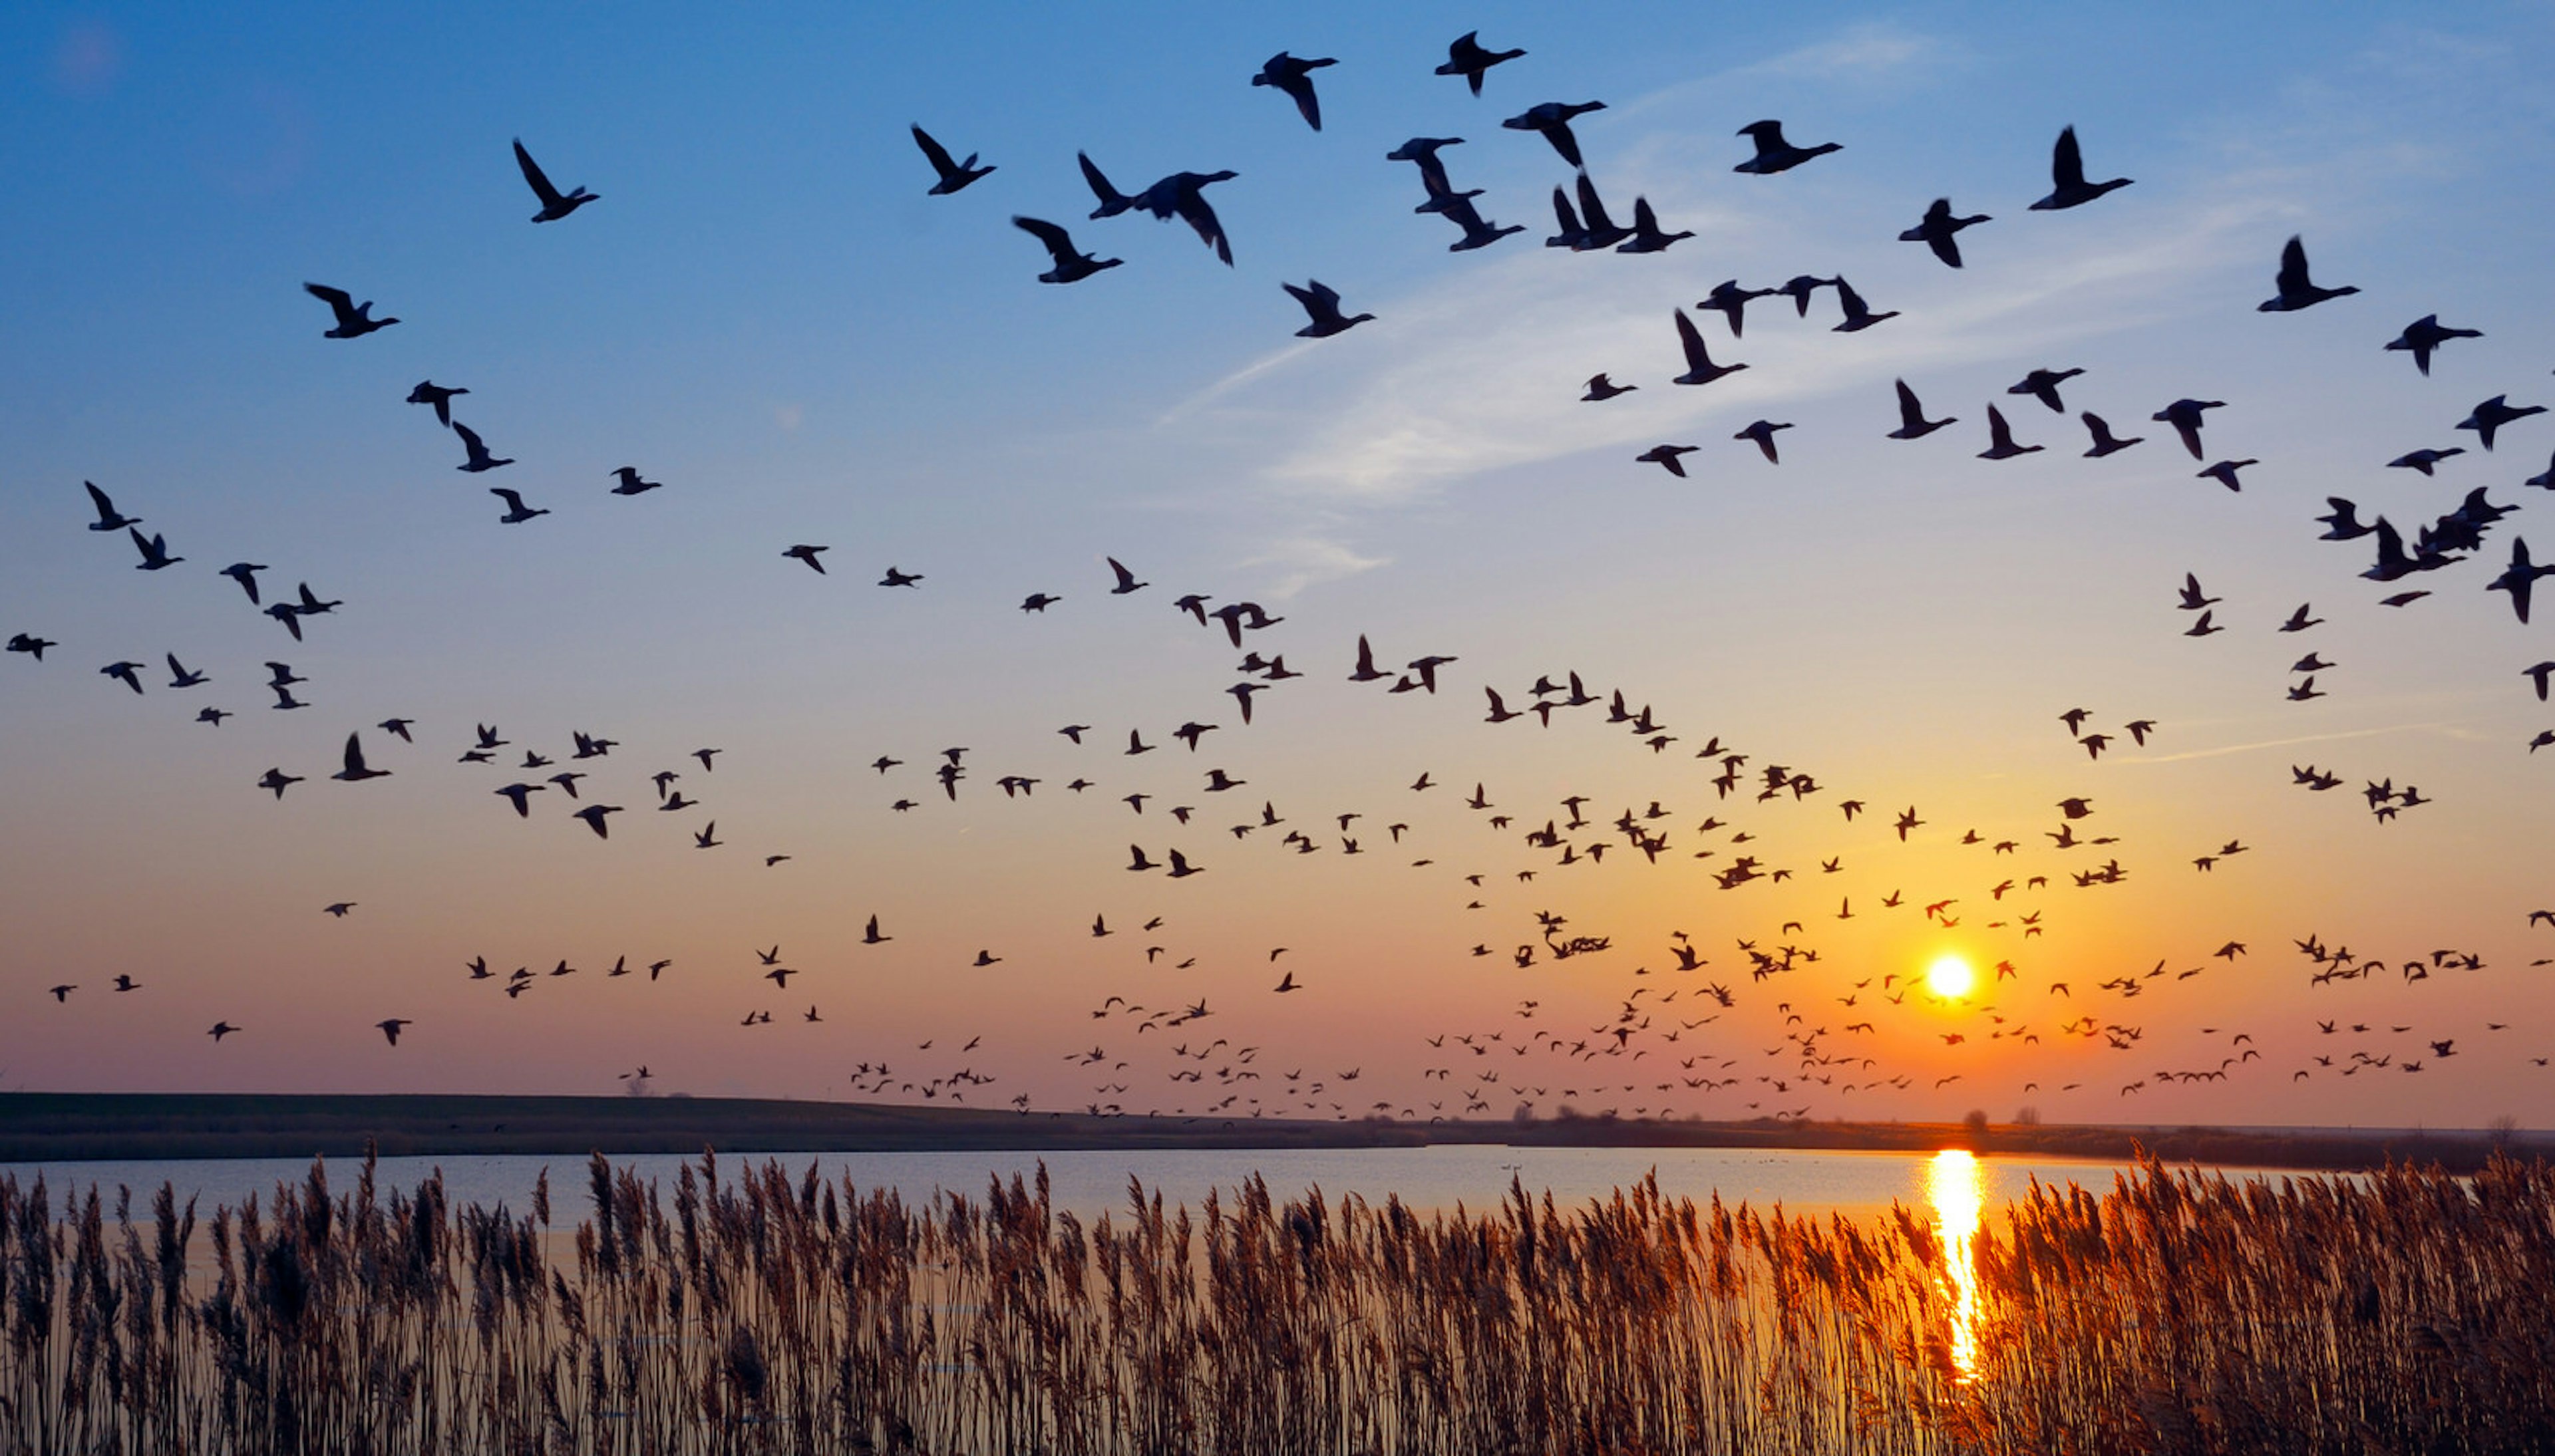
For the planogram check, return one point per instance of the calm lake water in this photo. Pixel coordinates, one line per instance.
(1090, 1182)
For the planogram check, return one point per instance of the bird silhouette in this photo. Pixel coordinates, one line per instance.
(2296, 289)
(517, 513)
(1936, 230)
(1322, 307)
(479, 457)
(1699, 368)
(952, 176)
(1551, 121)
(2184, 417)
(1465, 56)
(2493, 414)
(355, 771)
(108, 517)
(354, 320)
(555, 203)
(427, 392)
(2068, 187)
(1071, 266)
(1294, 77)
(1774, 154)
(2424, 335)
(2001, 446)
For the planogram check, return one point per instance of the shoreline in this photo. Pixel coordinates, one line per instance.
(44, 1126)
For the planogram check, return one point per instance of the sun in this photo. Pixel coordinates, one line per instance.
(1950, 977)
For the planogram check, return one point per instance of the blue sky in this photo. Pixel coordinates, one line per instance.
(766, 312)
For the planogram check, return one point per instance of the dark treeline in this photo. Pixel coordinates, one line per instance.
(47, 1127)
(766, 1312)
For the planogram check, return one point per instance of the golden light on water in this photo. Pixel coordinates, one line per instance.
(1950, 977)
(1956, 1187)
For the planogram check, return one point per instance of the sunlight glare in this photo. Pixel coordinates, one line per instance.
(1950, 977)
(1956, 1187)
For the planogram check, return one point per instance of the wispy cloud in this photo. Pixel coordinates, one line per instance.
(1862, 53)
(2445, 729)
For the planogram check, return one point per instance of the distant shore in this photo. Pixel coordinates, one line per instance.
(41, 1127)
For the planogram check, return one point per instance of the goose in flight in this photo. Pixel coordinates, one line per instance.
(2493, 414)
(1601, 388)
(108, 517)
(2424, 335)
(2068, 187)
(2001, 446)
(479, 460)
(1699, 366)
(807, 554)
(1322, 307)
(593, 815)
(953, 176)
(1730, 300)
(1857, 314)
(179, 676)
(2224, 472)
(128, 673)
(2520, 576)
(2342, 523)
(1762, 433)
(354, 320)
(2042, 385)
(1294, 77)
(517, 513)
(1071, 266)
(427, 392)
(522, 796)
(1774, 154)
(222, 1029)
(1912, 423)
(278, 780)
(389, 1028)
(2184, 417)
(2424, 461)
(1127, 581)
(1666, 456)
(630, 484)
(894, 578)
(1182, 194)
(154, 549)
(1039, 601)
(555, 203)
(1937, 227)
(1551, 120)
(1469, 59)
(2107, 443)
(355, 771)
(2297, 291)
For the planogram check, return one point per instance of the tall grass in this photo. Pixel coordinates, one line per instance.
(2409, 1310)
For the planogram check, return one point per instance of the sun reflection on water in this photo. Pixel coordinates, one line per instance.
(1956, 1187)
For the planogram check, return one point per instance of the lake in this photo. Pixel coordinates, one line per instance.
(1088, 1183)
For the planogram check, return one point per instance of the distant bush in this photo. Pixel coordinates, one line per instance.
(2027, 1117)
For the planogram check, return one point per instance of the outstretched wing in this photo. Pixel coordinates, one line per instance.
(541, 184)
(2293, 268)
(1057, 240)
(2066, 162)
(932, 150)
(339, 301)
(354, 754)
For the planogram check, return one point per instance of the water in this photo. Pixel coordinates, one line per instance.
(1087, 1183)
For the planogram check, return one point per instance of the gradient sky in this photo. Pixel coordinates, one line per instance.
(766, 312)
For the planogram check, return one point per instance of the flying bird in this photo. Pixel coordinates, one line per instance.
(1468, 58)
(1699, 368)
(1322, 305)
(1666, 456)
(630, 484)
(517, 513)
(108, 517)
(1912, 423)
(2184, 417)
(1071, 266)
(807, 554)
(555, 203)
(2042, 385)
(1774, 154)
(953, 176)
(427, 392)
(2424, 335)
(2297, 291)
(2493, 414)
(2068, 187)
(480, 459)
(1936, 230)
(1294, 77)
(1551, 120)
(354, 320)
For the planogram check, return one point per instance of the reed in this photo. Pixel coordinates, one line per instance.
(744, 1310)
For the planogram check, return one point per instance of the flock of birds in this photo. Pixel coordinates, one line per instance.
(1658, 1050)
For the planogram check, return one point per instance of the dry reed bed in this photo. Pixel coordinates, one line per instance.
(2405, 1311)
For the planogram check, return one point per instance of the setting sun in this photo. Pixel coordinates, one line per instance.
(1950, 977)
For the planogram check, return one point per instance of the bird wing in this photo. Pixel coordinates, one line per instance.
(1100, 187)
(105, 506)
(2066, 162)
(533, 174)
(469, 439)
(1911, 413)
(1695, 357)
(937, 154)
(1193, 209)
(1058, 241)
(354, 754)
(339, 301)
(2293, 267)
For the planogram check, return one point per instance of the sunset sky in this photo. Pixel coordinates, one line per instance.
(766, 314)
